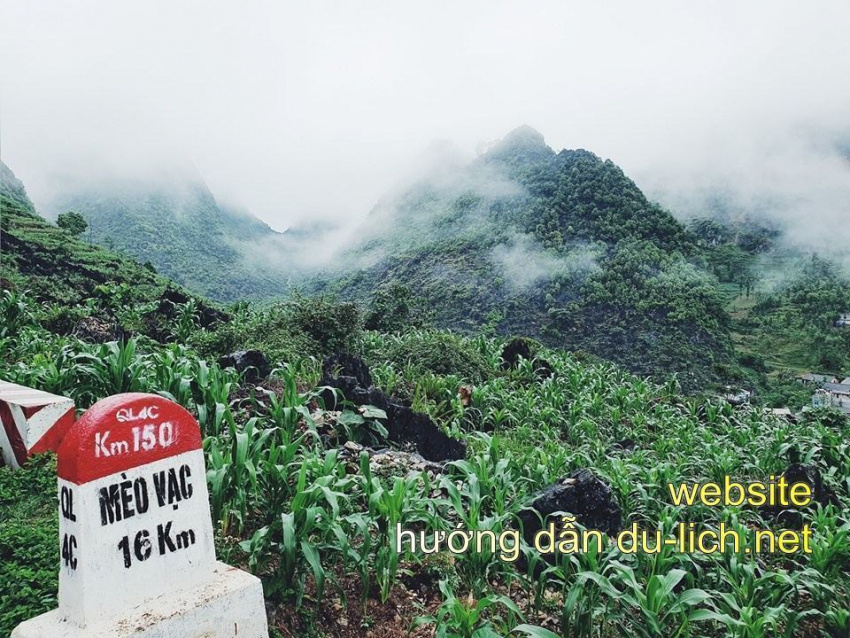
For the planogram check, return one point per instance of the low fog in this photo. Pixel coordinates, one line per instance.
(309, 113)
(523, 263)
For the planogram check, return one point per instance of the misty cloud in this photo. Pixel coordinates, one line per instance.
(801, 188)
(524, 263)
(444, 195)
(305, 113)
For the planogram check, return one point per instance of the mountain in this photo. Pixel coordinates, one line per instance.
(562, 246)
(44, 259)
(621, 438)
(76, 283)
(174, 222)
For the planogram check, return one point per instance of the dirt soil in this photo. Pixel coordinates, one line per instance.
(394, 619)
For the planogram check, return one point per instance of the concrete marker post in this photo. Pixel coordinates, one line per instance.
(136, 536)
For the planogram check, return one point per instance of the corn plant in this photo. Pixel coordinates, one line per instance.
(307, 516)
(388, 509)
(289, 407)
(172, 374)
(469, 506)
(663, 611)
(115, 367)
(581, 604)
(830, 543)
(15, 312)
(470, 617)
(837, 622)
(234, 468)
(356, 544)
(186, 321)
(277, 466)
(292, 545)
(211, 390)
(57, 372)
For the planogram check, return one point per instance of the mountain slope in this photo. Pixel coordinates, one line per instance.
(76, 282)
(561, 246)
(46, 260)
(177, 225)
(12, 191)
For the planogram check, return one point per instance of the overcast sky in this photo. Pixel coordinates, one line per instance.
(312, 110)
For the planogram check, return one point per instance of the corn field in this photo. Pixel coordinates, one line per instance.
(293, 507)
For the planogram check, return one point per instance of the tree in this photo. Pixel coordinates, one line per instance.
(73, 222)
(747, 281)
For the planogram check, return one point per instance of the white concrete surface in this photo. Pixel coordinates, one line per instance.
(31, 422)
(230, 605)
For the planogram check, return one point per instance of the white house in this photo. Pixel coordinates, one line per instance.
(817, 379)
(836, 395)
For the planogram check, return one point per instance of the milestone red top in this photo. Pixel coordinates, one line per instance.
(123, 432)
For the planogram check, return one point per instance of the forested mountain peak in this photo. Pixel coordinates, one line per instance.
(521, 144)
(561, 246)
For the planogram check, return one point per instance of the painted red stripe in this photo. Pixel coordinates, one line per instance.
(19, 449)
(100, 444)
(31, 411)
(52, 439)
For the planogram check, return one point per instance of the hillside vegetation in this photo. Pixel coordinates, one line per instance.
(798, 318)
(560, 246)
(784, 304)
(177, 225)
(307, 485)
(50, 263)
(80, 286)
(280, 466)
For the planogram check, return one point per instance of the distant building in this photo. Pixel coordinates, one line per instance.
(843, 321)
(836, 395)
(838, 389)
(822, 399)
(817, 379)
(738, 397)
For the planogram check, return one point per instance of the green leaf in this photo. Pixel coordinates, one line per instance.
(707, 614)
(486, 631)
(350, 418)
(603, 583)
(535, 632)
(312, 557)
(689, 598)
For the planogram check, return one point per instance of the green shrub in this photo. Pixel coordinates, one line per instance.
(215, 343)
(288, 331)
(395, 309)
(29, 547)
(438, 352)
(16, 312)
(63, 319)
(333, 327)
